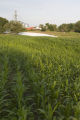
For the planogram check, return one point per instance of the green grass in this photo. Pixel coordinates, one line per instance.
(39, 78)
(60, 34)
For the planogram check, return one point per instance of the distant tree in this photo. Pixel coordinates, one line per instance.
(47, 26)
(51, 27)
(70, 27)
(3, 21)
(43, 27)
(62, 28)
(77, 27)
(66, 27)
(14, 26)
(7, 27)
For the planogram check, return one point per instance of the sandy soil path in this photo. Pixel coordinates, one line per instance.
(35, 34)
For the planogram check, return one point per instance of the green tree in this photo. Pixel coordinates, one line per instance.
(43, 27)
(70, 27)
(47, 25)
(51, 27)
(63, 28)
(77, 27)
(3, 21)
(14, 27)
(66, 27)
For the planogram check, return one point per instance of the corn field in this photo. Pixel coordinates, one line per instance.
(39, 78)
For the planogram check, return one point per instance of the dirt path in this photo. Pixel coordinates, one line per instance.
(35, 34)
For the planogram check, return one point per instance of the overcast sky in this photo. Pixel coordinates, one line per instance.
(35, 12)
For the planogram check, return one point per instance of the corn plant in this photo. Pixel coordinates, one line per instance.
(39, 78)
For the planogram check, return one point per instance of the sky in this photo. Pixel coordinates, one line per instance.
(35, 12)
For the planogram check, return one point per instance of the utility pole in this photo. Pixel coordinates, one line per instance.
(15, 15)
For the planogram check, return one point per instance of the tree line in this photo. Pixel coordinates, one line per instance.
(16, 26)
(12, 26)
(71, 27)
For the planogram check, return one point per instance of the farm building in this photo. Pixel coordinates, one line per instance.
(30, 28)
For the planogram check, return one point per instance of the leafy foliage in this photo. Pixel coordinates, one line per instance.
(66, 27)
(51, 27)
(14, 27)
(43, 27)
(39, 78)
(77, 27)
(3, 21)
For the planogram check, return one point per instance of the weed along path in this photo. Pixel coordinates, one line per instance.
(35, 34)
